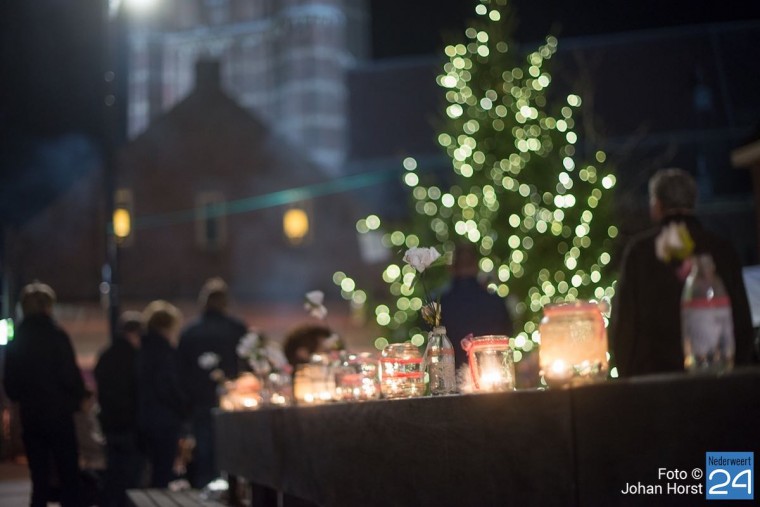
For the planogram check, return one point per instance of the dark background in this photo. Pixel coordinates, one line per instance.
(51, 54)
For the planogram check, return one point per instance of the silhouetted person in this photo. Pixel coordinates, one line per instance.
(645, 329)
(467, 307)
(116, 375)
(162, 404)
(217, 333)
(41, 374)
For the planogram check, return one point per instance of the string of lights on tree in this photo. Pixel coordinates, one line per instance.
(540, 216)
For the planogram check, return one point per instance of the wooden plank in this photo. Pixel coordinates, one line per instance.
(166, 498)
(139, 498)
(161, 497)
(189, 498)
(195, 495)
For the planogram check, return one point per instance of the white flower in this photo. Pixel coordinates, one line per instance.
(275, 356)
(260, 366)
(674, 241)
(318, 312)
(314, 306)
(208, 360)
(248, 344)
(421, 258)
(315, 297)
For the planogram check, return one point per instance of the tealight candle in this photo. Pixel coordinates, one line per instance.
(491, 365)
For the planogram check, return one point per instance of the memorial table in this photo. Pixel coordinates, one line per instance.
(573, 447)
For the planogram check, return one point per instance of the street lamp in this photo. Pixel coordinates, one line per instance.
(118, 220)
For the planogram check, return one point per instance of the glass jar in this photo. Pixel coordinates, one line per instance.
(278, 389)
(573, 343)
(401, 371)
(313, 382)
(243, 393)
(707, 325)
(356, 379)
(491, 363)
(438, 363)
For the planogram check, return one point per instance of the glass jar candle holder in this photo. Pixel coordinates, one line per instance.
(357, 378)
(278, 389)
(491, 363)
(313, 383)
(401, 373)
(243, 393)
(573, 344)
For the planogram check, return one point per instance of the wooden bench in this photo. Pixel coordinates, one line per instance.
(166, 498)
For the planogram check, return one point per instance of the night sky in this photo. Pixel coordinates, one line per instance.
(50, 77)
(51, 48)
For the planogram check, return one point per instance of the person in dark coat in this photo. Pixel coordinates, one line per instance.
(42, 375)
(116, 377)
(467, 307)
(162, 403)
(645, 328)
(215, 336)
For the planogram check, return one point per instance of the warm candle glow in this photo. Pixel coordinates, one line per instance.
(491, 377)
(295, 224)
(559, 370)
(490, 360)
(249, 402)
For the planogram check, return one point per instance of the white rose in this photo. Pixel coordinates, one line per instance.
(421, 258)
(315, 297)
(275, 356)
(668, 242)
(248, 345)
(319, 312)
(208, 360)
(314, 304)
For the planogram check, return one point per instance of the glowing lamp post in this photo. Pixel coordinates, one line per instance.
(118, 222)
(122, 224)
(295, 225)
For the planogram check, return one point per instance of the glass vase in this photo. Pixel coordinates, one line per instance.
(439, 363)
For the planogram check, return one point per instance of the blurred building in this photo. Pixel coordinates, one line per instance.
(284, 60)
(216, 192)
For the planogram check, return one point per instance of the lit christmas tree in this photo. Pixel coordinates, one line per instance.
(541, 218)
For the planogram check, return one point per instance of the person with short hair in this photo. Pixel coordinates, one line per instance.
(162, 403)
(645, 327)
(214, 334)
(304, 341)
(42, 375)
(116, 377)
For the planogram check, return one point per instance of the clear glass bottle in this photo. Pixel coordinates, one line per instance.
(707, 326)
(439, 363)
